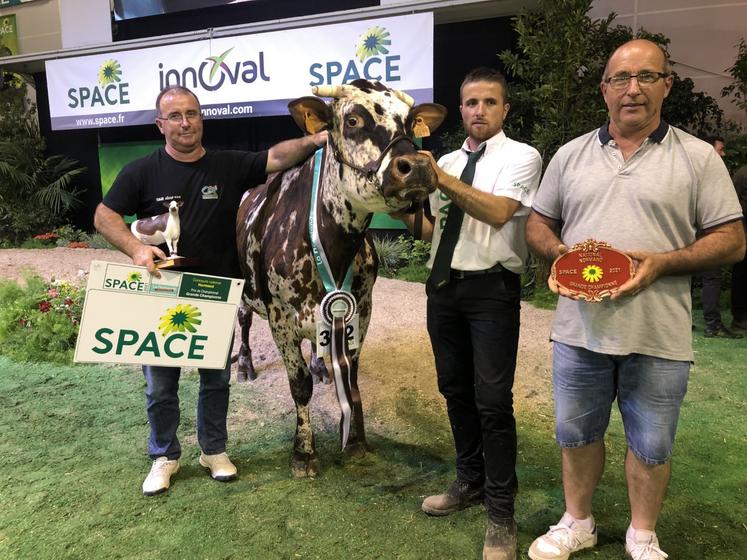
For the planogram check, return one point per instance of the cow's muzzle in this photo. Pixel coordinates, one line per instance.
(409, 177)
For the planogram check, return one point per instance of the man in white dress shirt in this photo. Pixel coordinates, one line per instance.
(473, 303)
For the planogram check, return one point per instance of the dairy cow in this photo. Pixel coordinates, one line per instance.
(369, 165)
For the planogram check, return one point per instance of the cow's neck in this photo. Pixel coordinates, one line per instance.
(342, 227)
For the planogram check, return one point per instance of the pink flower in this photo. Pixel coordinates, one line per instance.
(52, 293)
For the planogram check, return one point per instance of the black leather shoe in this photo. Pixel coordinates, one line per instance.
(721, 332)
(459, 495)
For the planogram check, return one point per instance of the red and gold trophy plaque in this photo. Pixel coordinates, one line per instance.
(592, 269)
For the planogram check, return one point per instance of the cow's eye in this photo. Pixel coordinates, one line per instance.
(353, 121)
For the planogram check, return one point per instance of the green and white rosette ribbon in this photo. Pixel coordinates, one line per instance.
(338, 308)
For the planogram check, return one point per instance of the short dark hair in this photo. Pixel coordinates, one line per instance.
(485, 74)
(174, 89)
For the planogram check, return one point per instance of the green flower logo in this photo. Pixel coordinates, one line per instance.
(110, 72)
(183, 317)
(592, 273)
(373, 42)
(134, 277)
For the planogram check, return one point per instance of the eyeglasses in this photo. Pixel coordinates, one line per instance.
(177, 118)
(621, 81)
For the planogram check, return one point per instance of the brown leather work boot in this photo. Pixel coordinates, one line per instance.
(500, 540)
(459, 495)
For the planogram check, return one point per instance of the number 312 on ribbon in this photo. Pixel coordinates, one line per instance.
(324, 336)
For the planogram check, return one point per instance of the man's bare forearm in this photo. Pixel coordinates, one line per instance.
(542, 236)
(491, 209)
(288, 153)
(724, 244)
(111, 225)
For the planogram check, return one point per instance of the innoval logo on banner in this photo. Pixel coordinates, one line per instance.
(214, 72)
(110, 90)
(178, 338)
(372, 61)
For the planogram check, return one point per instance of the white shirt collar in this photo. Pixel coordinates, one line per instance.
(492, 143)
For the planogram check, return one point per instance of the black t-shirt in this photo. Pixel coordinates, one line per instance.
(211, 190)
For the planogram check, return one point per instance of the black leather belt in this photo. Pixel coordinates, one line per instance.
(462, 274)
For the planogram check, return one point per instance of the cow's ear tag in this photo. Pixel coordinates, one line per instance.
(421, 129)
(313, 123)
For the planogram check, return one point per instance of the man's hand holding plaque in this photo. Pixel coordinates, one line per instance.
(591, 270)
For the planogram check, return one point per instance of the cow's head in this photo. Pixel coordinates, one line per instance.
(370, 127)
(173, 206)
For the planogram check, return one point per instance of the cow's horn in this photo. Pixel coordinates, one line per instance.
(402, 96)
(327, 91)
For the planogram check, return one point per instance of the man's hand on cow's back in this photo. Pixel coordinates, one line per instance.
(288, 153)
(320, 138)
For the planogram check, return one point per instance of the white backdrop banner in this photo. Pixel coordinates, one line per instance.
(242, 76)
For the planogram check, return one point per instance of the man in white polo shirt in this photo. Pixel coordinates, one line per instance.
(646, 188)
(478, 252)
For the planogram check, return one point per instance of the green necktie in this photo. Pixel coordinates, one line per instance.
(441, 270)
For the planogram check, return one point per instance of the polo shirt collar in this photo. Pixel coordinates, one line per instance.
(656, 136)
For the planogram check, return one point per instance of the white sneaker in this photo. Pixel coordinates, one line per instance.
(159, 477)
(221, 467)
(562, 539)
(643, 545)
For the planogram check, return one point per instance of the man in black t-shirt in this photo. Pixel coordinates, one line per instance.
(210, 185)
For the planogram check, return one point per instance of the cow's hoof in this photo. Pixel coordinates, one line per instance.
(245, 371)
(357, 449)
(305, 466)
(319, 371)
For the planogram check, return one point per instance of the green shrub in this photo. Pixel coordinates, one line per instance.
(68, 233)
(37, 192)
(542, 297)
(34, 243)
(39, 322)
(392, 253)
(98, 241)
(419, 252)
(403, 252)
(413, 272)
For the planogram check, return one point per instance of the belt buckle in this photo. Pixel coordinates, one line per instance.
(458, 274)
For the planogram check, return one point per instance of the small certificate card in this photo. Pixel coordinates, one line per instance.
(592, 269)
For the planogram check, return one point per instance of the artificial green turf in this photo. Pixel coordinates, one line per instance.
(72, 450)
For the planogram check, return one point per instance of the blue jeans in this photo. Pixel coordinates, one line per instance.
(162, 399)
(649, 394)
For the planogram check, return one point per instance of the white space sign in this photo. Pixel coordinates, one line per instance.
(242, 76)
(180, 319)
